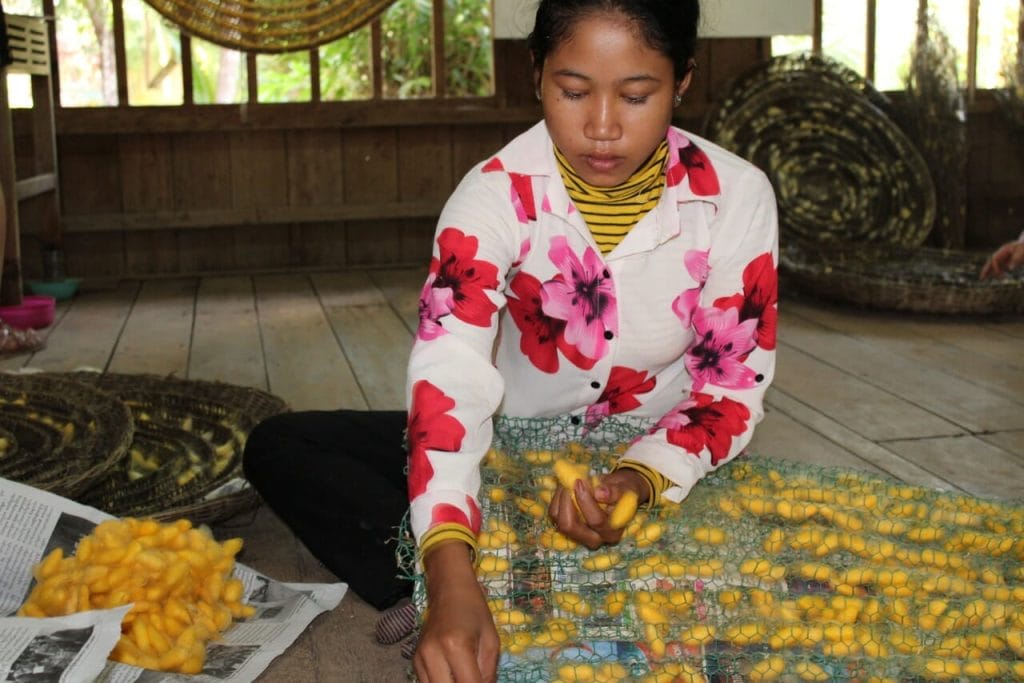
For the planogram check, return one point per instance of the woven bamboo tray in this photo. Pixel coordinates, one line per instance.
(186, 458)
(888, 277)
(59, 434)
(841, 168)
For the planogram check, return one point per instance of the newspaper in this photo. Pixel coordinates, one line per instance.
(74, 648)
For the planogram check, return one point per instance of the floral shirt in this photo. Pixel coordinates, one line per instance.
(521, 315)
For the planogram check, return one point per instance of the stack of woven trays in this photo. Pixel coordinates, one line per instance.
(769, 570)
(133, 445)
(856, 199)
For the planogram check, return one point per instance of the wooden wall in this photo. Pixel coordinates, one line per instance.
(184, 190)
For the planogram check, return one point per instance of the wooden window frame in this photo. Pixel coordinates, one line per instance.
(973, 10)
(438, 71)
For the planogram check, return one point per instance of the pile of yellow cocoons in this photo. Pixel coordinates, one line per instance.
(178, 579)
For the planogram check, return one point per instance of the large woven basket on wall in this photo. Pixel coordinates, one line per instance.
(856, 200)
(841, 168)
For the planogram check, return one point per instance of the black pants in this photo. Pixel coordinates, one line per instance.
(337, 479)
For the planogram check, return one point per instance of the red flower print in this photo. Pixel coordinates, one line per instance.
(429, 428)
(457, 285)
(701, 422)
(522, 197)
(541, 336)
(693, 162)
(759, 300)
(620, 394)
(443, 513)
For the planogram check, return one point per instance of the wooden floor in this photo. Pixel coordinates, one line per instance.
(931, 400)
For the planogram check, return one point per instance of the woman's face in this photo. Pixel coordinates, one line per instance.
(607, 98)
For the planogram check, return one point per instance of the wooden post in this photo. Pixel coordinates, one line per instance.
(10, 247)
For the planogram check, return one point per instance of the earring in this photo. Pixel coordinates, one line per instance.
(677, 100)
(537, 94)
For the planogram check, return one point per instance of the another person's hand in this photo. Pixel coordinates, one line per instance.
(1003, 260)
(458, 641)
(589, 524)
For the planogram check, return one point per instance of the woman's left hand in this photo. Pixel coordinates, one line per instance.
(585, 520)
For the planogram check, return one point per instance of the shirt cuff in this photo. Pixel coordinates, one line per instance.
(448, 532)
(656, 481)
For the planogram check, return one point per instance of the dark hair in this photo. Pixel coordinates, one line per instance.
(668, 26)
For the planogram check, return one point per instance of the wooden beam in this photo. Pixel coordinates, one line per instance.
(252, 216)
(121, 56)
(438, 71)
(870, 36)
(297, 116)
(187, 85)
(817, 29)
(376, 64)
(35, 186)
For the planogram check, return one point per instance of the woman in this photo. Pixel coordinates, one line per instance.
(622, 265)
(603, 262)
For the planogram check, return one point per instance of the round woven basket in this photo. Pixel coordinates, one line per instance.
(59, 434)
(841, 168)
(889, 277)
(186, 457)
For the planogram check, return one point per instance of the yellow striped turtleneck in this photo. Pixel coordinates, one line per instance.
(611, 212)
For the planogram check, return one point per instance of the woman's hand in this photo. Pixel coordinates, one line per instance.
(589, 523)
(1003, 260)
(458, 641)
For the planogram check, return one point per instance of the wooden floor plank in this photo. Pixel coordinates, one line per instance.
(156, 338)
(781, 436)
(374, 339)
(1011, 442)
(976, 409)
(87, 335)
(968, 351)
(879, 456)
(402, 288)
(975, 466)
(990, 340)
(226, 344)
(1011, 326)
(305, 366)
(863, 408)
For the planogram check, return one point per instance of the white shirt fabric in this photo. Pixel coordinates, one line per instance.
(523, 316)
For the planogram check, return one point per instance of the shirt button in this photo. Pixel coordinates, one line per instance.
(595, 384)
(575, 419)
(608, 334)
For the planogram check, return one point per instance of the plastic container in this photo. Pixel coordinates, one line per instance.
(35, 311)
(61, 290)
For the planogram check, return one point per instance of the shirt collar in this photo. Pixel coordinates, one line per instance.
(690, 173)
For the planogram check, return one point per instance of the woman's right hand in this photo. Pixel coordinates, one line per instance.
(458, 641)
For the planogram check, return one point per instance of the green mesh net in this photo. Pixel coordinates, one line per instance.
(769, 570)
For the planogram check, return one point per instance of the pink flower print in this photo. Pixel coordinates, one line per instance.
(457, 285)
(696, 262)
(430, 427)
(524, 251)
(541, 335)
(435, 303)
(721, 342)
(760, 299)
(700, 422)
(584, 297)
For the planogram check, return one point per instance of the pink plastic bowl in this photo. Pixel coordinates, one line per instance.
(35, 311)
